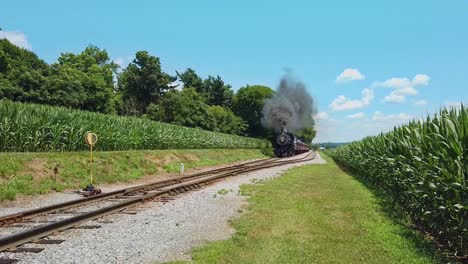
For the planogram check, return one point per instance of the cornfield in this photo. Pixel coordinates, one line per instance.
(39, 128)
(423, 168)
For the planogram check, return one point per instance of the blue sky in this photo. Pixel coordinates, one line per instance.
(397, 59)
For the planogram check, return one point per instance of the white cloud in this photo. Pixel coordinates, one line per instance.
(367, 96)
(420, 102)
(328, 130)
(401, 117)
(321, 116)
(17, 38)
(342, 103)
(347, 130)
(394, 98)
(358, 115)
(421, 79)
(402, 87)
(349, 75)
(123, 61)
(120, 61)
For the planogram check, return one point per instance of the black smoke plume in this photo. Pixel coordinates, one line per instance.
(291, 107)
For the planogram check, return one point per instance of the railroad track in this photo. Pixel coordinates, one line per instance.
(117, 201)
(25, 215)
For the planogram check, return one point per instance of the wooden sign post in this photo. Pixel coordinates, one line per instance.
(91, 139)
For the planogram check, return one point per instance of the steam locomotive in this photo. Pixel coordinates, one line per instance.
(288, 145)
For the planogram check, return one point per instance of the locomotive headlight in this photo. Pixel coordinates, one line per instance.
(282, 139)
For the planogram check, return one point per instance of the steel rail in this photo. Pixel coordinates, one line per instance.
(24, 215)
(20, 238)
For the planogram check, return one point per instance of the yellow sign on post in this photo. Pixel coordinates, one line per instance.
(91, 139)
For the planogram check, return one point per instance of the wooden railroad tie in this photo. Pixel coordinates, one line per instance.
(86, 227)
(48, 241)
(7, 261)
(24, 249)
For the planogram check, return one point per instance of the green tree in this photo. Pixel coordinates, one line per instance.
(83, 81)
(226, 121)
(22, 73)
(185, 108)
(3, 60)
(217, 92)
(64, 87)
(190, 79)
(248, 104)
(8, 90)
(143, 82)
(212, 88)
(307, 134)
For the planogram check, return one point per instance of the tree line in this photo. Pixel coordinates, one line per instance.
(91, 81)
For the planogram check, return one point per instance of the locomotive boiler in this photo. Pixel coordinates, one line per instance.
(287, 144)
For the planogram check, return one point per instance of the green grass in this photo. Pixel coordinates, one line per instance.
(315, 214)
(422, 167)
(223, 191)
(32, 173)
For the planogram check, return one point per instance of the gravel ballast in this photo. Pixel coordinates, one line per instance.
(158, 232)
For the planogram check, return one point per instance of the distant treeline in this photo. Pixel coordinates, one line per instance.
(91, 81)
(329, 145)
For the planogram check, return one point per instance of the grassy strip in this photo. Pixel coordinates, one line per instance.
(316, 214)
(422, 167)
(32, 173)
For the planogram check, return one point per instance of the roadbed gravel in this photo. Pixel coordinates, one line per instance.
(26, 202)
(159, 232)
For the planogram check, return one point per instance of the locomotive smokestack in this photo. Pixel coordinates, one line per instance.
(291, 107)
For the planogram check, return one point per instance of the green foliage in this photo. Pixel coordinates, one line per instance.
(85, 81)
(143, 82)
(21, 184)
(29, 127)
(3, 59)
(248, 104)
(185, 108)
(225, 121)
(32, 173)
(268, 151)
(423, 168)
(14, 58)
(217, 92)
(214, 90)
(307, 134)
(22, 73)
(8, 90)
(82, 81)
(188, 108)
(190, 79)
(314, 214)
(223, 191)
